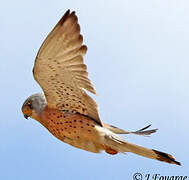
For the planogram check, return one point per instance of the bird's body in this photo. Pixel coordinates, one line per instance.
(65, 109)
(75, 129)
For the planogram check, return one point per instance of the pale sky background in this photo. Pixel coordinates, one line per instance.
(137, 57)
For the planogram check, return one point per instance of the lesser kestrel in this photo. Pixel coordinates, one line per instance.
(65, 109)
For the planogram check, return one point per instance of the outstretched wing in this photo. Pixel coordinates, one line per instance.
(60, 71)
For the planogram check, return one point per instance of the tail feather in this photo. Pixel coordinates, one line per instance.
(120, 145)
(166, 157)
(151, 153)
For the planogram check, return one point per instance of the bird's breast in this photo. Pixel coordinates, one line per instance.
(74, 129)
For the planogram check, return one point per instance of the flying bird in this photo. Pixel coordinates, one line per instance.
(65, 109)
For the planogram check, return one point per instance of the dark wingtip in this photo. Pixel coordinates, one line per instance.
(64, 17)
(145, 127)
(67, 12)
(143, 131)
(73, 13)
(161, 156)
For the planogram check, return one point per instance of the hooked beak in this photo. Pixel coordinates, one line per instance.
(26, 116)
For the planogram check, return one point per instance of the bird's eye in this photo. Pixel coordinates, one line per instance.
(30, 105)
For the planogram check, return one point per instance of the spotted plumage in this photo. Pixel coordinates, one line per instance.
(65, 109)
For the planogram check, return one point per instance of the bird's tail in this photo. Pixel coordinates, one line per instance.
(117, 144)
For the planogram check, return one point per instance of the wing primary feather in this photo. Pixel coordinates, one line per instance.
(64, 17)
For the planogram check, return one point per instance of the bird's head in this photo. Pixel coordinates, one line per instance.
(33, 106)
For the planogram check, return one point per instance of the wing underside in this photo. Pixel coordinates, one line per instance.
(61, 72)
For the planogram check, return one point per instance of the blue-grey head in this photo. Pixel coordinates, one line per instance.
(33, 106)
